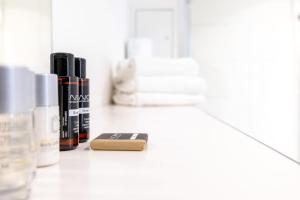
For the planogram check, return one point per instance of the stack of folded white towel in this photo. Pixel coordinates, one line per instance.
(158, 81)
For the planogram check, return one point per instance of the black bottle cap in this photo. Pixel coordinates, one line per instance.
(80, 67)
(62, 64)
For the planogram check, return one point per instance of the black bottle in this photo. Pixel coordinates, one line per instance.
(84, 98)
(63, 64)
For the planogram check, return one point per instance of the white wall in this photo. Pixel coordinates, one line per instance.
(246, 49)
(96, 30)
(25, 33)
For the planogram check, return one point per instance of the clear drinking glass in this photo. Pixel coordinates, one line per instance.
(16, 131)
(15, 155)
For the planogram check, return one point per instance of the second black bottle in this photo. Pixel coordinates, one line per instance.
(84, 98)
(63, 64)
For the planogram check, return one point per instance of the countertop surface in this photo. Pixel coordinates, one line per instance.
(189, 156)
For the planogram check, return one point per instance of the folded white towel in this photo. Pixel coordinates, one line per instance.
(138, 66)
(152, 99)
(170, 85)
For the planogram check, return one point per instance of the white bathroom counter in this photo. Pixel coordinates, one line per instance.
(189, 156)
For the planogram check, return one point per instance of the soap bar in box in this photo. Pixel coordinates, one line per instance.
(120, 141)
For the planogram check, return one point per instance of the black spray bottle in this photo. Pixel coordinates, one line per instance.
(84, 98)
(63, 64)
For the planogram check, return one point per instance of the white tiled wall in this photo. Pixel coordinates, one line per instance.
(247, 52)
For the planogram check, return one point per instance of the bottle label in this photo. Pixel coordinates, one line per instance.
(49, 144)
(84, 110)
(69, 108)
(47, 131)
(73, 112)
(55, 124)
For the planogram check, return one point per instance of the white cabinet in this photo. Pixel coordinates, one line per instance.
(166, 22)
(157, 25)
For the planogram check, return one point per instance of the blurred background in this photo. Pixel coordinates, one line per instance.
(191, 73)
(246, 50)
